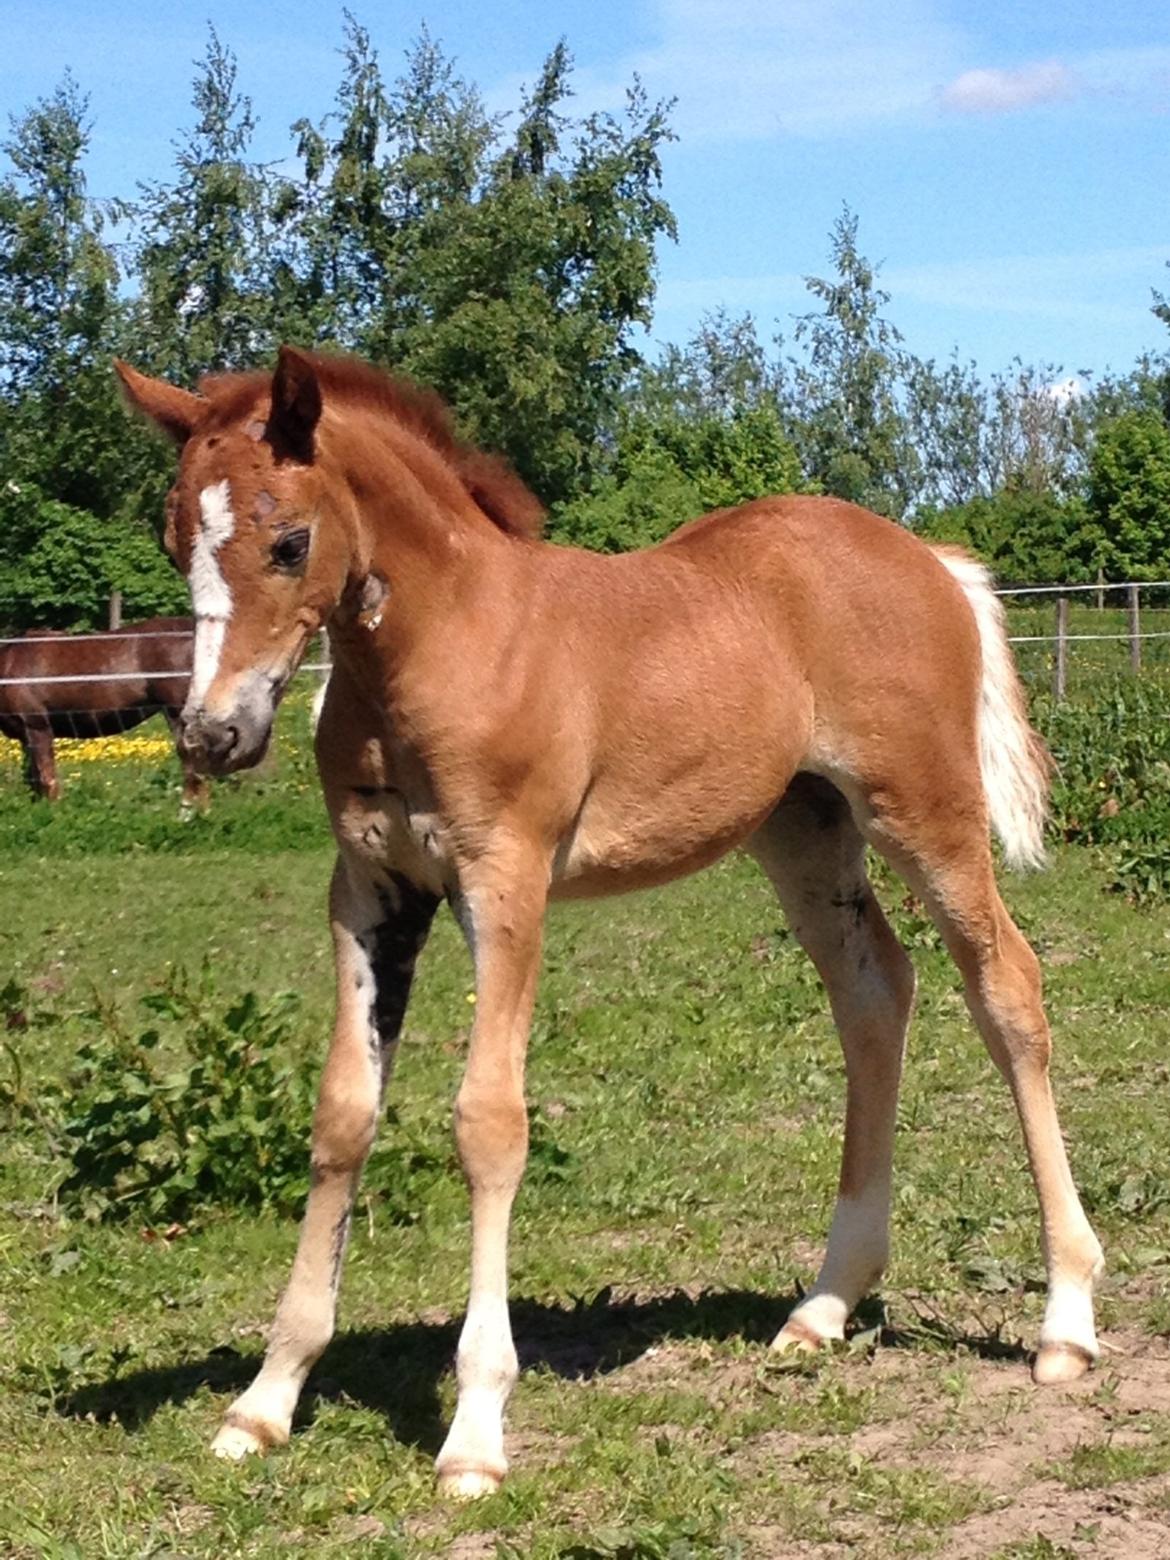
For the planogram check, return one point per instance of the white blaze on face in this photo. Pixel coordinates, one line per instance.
(210, 595)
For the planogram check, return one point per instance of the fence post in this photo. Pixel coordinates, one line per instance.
(1100, 590)
(1060, 665)
(115, 609)
(1135, 630)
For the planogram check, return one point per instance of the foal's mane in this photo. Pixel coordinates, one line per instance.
(489, 479)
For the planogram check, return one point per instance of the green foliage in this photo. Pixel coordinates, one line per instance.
(1024, 536)
(205, 299)
(518, 304)
(76, 477)
(203, 1109)
(1129, 494)
(847, 421)
(670, 469)
(58, 565)
(1112, 782)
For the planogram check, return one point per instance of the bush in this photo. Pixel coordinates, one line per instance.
(59, 565)
(1112, 787)
(202, 1109)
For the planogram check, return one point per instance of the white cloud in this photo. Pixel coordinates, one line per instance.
(1066, 391)
(1138, 76)
(1002, 91)
(759, 69)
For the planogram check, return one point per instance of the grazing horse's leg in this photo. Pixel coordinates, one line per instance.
(379, 927)
(811, 850)
(501, 910)
(40, 763)
(195, 788)
(949, 864)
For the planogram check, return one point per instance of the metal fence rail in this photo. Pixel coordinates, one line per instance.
(1061, 637)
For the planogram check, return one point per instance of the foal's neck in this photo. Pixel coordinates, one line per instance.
(442, 561)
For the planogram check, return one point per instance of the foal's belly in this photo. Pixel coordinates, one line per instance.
(621, 845)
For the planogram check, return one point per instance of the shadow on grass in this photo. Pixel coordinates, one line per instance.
(396, 1370)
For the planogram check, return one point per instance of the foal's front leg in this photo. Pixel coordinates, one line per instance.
(378, 930)
(501, 913)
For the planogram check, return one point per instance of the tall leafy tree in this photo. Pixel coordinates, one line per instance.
(699, 430)
(206, 241)
(518, 303)
(842, 393)
(1129, 493)
(69, 532)
(59, 310)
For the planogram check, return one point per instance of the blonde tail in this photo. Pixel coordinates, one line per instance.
(1015, 763)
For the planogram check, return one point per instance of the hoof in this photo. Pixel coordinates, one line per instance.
(469, 1483)
(1057, 1363)
(237, 1441)
(797, 1337)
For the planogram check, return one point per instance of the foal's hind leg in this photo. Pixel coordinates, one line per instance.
(948, 861)
(812, 852)
(378, 929)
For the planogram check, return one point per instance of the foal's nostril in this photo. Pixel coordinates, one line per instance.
(220, 741)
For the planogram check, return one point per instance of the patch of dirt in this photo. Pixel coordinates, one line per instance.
(1114, 1524)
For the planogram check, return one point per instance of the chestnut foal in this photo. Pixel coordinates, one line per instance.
(510, 721)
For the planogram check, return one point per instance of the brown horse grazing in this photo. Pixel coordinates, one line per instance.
(94, 685)
(510, 721)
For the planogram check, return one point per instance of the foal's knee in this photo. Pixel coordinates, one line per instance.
(1009, 987)
(491, 1133)
(344, 1125)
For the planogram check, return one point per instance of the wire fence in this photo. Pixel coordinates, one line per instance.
(1102, 628)
(1125, 623)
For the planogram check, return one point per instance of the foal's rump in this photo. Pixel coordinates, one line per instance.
(903, 645)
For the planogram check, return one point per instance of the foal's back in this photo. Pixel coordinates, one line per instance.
(789, 634)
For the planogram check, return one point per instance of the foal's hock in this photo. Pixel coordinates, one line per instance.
(510, 721)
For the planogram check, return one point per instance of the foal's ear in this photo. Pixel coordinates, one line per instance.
(175, 411)
(296, 403)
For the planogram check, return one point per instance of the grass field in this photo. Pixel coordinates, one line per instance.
(686, 1094)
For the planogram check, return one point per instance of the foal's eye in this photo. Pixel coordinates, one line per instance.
(292, 549)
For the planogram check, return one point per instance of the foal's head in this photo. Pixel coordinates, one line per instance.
(266, 521)
(256, 529)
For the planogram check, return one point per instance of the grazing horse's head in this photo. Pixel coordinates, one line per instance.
(262, 537)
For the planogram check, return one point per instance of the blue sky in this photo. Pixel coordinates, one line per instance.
(1008, 162)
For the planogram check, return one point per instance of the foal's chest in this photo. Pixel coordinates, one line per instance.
(387, 828)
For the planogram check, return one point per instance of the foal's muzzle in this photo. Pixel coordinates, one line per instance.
(219, 743)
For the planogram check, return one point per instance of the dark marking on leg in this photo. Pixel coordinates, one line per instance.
(857, 902)
(392, 946)
(340, 1237)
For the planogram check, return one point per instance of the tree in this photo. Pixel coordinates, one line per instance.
(523, 296)
(1129, 494)
(59, 312)
(1024, 537)
(70, 531)
(506, 271)
(841, 397)
(205, 241)
(700, 430)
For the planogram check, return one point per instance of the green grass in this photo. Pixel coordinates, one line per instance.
(686, 1089)
(686, 1094)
